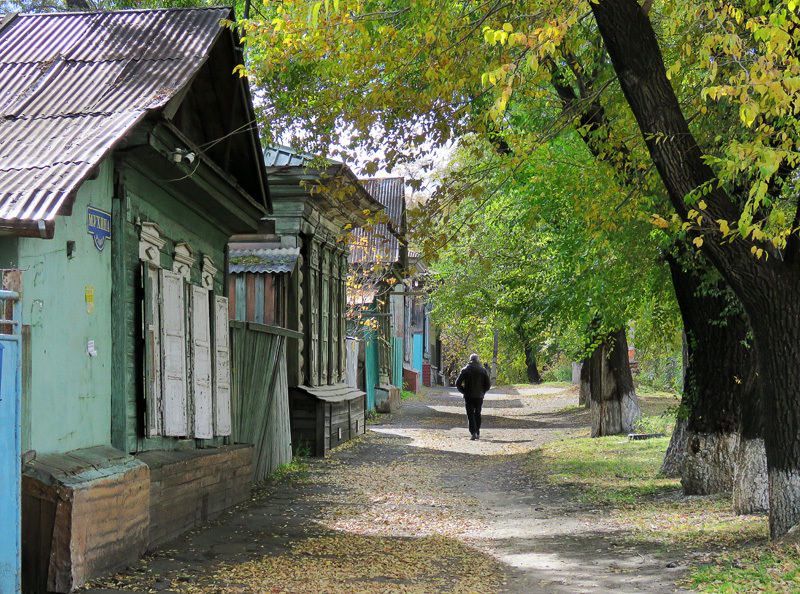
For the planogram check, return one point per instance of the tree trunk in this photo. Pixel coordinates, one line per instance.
(708, 462)
(613, 403)
(716, 364)
(531, 368)
(766, 286)
(777, 334)
(584, 389)
(750, 482)
(673, 459)
(530, 348)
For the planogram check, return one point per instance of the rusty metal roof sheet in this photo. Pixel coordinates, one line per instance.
(271, 260)
(380, 243)
(72, 85)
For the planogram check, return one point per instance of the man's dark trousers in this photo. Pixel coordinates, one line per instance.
(473, 406)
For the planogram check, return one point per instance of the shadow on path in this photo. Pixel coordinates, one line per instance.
(416, 495)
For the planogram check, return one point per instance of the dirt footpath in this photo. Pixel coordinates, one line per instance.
(415, 506)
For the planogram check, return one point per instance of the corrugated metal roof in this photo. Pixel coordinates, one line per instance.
(332, 392)
(283, 156)
(391, 192)
(272, 260)
(379, 243)
(331, 185)
(72, 85)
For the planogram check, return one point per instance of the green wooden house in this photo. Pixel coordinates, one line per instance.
(128, 157)
(313, 206)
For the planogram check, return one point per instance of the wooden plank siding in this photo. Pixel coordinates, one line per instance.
(123, 328)
(240, 298)
(259, 301)
(191, 487)
(258, 297)
(74, 526)
(232, 296)
(250, 297)
(271, 304)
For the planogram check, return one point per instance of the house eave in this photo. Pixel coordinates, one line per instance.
(200, 185)
(326, 189)
(40, 229)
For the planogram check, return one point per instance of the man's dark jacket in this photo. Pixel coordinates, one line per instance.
(473, 381)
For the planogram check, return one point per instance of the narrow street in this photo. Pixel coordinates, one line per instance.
(415, 506)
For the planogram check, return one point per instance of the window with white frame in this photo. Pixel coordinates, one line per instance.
(186, 350)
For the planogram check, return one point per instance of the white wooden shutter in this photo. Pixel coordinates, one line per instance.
(222, 368)
(202, 417)
(152, 350)
(173, 326)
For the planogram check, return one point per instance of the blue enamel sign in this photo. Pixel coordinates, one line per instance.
(98, 225)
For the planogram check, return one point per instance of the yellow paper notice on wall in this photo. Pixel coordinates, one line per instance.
(89, 298)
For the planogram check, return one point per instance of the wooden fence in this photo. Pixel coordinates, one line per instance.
(260, 394)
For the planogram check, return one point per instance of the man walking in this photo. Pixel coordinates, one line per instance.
(473, 382)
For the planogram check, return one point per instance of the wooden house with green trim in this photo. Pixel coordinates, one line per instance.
(314, 204)
(129, 155)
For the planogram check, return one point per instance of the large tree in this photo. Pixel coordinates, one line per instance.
(713, 442)
(762, 273)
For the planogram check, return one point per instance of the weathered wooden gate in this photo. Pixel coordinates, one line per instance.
(10, 442)
(260, 394)
(351, 362)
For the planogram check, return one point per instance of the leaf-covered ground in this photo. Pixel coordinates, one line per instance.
(416, 507)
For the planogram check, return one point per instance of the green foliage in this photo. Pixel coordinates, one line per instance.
(515, 76)
(542, 268)
(558, 370)
(298, 467)
(661, 369)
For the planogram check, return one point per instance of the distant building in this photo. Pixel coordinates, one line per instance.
(396, 346)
